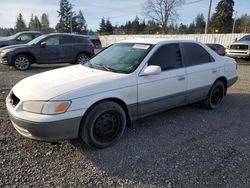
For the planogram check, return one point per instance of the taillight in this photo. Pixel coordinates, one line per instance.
(91, 45)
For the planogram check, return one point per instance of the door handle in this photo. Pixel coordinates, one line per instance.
(180, 78)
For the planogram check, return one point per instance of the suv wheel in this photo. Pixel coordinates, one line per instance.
(103, 125)
(22, 62)
(82, 58)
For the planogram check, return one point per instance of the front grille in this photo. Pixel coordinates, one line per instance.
(239, 47)
(14, 99)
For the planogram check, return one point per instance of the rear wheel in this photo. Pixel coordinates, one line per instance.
(22, 62)
(103, 125)
(82, 58)
(216, 95)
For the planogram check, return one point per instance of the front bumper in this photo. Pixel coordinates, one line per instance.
(238, 53)
(47, 131)
(44, 127)
(6, 60)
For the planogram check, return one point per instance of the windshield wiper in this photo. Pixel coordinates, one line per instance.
(105, 67)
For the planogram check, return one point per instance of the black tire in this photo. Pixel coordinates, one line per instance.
(216, 95)
(82, 58)
(103, 125)
(22, 62)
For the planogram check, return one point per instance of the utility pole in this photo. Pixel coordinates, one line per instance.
(208, 15)
(234, 21)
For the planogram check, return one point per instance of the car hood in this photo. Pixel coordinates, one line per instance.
(13, 47)
(4, 42)
(63, 81)
(241, 42)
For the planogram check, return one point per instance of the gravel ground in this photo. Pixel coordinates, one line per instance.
(183, 147)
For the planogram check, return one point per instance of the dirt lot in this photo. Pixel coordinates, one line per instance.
(184, 147)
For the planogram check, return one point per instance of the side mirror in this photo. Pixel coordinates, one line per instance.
(43, 44)
(18, 38)
(151, 70)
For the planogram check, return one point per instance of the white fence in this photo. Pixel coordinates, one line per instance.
(224, 39)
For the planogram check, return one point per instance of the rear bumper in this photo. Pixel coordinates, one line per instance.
(47, 131)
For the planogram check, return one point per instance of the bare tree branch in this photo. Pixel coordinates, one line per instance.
(163, 11)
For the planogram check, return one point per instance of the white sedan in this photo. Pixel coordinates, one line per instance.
(126, 81)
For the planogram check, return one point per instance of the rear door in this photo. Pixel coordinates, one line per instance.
(167, 89)
(69, 48)
(202, 70)
(51, 52)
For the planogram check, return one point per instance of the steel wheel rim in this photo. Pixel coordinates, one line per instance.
(217, 95)
(82, 59)
(22, 63)
(107, 127)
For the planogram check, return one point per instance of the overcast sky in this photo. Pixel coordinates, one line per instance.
(119, 11)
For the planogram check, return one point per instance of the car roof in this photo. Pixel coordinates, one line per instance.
(68, 34)
(155, 40)
(30, 32)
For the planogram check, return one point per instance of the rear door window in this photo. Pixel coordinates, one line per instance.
(167, 57)
(68, 39)
(194, 54)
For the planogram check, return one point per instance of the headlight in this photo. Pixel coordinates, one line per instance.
(3, 53)
(46, 107)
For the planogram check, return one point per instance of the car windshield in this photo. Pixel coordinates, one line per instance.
(37, 40)
(120, 57)
(245, 38)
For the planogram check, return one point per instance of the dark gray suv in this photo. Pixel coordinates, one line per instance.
(46, 49)
(19, 38)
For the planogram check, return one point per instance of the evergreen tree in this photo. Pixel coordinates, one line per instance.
(143, 27)
(37, 24)
(200, 23)
(109, 27)
(102, 27)
(136, 25)
(67, 17)
(45, 23)
(222, 19)
(242, 24)
(32, 23)
(152, 27)
(20, 24)
(182, 29)
(81, 26)
(191, 28)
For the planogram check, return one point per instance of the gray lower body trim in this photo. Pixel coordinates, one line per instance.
(232, 81)
(47, 131)
(146, 108)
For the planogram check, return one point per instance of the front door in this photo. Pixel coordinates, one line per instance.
(167, 89)
(51, 52)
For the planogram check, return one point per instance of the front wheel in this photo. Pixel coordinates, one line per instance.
(216, 95)
(103, 125)
(22, 62)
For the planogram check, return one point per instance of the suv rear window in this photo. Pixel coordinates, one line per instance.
(80, 39)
